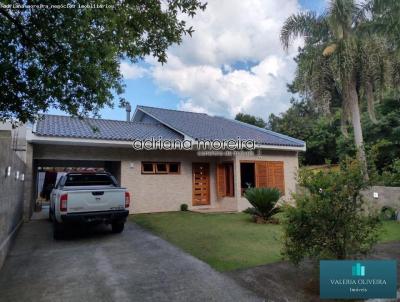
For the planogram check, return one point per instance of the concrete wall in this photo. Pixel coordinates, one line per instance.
(29, 184)
(11, 192)
(387, 196)
(160, 193)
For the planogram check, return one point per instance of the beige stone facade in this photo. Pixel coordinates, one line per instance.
(166, 192)
(290, 164)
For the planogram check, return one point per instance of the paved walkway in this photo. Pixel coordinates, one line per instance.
(97, 265)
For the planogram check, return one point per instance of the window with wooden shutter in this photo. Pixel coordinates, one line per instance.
(221, 184)
(276, 177)
(161, 168)
(225, 182)
(261, 174)
(229, 180)
(270, 174)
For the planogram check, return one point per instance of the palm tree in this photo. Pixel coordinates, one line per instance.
(342, 56)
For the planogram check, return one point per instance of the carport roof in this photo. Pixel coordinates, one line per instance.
(91, 128)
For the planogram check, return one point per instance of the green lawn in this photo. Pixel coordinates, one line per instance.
(390, 231)
(227, 241)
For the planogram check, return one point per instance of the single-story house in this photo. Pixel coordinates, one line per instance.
(161, 180)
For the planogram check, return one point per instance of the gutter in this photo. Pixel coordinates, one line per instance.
(54, 140)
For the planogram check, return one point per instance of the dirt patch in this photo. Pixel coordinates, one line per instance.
(284, 282)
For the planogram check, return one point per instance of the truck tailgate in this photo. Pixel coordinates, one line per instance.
(93, 200)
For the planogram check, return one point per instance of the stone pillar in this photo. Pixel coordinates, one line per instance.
(29, 186)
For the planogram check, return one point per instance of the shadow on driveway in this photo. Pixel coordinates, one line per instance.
(96, 265)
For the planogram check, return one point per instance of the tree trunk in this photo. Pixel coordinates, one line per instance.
(370, 101)
(352, 101)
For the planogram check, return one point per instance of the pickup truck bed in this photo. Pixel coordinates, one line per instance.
(88, 198)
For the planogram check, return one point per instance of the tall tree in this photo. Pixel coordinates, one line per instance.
(320, 132)
(250, 119)
(67, 56)
(343, 57)
(386, 18)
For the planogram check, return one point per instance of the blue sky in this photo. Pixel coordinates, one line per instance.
(153, 88)
(316, 5)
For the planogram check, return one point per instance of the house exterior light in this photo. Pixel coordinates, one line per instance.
(8, 171)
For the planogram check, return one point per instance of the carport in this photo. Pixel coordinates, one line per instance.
(46, 173)
(60, 155)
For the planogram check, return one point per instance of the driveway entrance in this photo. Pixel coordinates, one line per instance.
(97, 265)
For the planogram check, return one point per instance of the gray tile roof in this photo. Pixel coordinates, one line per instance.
(203, 126)
(74, 127)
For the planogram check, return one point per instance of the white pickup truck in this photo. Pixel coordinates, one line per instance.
(88, 197)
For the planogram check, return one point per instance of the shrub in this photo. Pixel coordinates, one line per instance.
(264, 201)
(391, 176)
(388, 213)
(251, 211)
(184, 207)
(330, 220)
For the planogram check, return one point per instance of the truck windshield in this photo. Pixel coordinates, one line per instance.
(89, 180)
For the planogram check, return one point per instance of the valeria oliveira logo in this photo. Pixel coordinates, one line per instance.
(198, 144)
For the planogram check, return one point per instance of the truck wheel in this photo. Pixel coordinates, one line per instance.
(57, 230)
(117, 227)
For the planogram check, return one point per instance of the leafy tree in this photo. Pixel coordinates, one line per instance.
(68, 58)
(383, 137)
(391, 175)
(326, 143)
(329, 220)
(264, 201)
(320, 132)
(386, 18)
(341, 57)
(297, 121)
(250, 119)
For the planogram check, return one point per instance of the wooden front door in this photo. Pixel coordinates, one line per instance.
(201, 184)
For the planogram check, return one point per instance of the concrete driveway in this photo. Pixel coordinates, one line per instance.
(96, 265)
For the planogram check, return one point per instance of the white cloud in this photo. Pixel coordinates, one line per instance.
(130, 72)
(205, 88)
(232, 30)
(201, 71)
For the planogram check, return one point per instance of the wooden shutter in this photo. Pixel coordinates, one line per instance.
(261, 174)
(270, 174)
(276, 176)
(221, 181)
(229, 179)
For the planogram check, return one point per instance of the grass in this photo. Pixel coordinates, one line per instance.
(225, 241)
(390, 231)
(228, 241)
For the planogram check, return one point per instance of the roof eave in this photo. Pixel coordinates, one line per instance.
(279, 147)
(57, 140)
(74, 141)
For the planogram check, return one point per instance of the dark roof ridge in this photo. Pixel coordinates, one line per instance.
(99, 119)
(67, 126)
